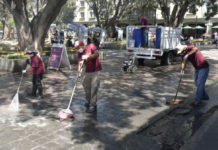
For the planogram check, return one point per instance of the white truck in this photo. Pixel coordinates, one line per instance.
(160, 42)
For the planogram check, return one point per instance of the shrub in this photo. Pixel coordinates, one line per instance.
(5, 52)
(15, 56)
(47, 48)
(70, 50)
(6, 47)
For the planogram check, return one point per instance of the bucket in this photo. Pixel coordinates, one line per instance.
(131, 43)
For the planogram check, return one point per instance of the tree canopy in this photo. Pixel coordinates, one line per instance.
(109, 12)
(175, 16)
(66, 14)
(212, 10)
(34, 17)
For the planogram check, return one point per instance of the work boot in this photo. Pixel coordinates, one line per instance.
(92, 109)
(31, 94)
(87, 104)
(205, 98)
(40, 97)
(33, 91)
(195, 104)
(40, 90)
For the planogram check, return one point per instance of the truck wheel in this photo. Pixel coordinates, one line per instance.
(167, 58)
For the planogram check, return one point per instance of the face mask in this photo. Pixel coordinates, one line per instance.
(80, 50)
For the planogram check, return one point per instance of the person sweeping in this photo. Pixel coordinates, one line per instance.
(89, 54)
(194, 55)
(38, 68)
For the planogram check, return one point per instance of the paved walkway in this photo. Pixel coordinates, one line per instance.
(127, 103)
(206, 137)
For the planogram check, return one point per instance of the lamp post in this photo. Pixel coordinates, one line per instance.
(195, 26)
(155, 17)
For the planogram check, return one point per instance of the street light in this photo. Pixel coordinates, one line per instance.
(196, 25)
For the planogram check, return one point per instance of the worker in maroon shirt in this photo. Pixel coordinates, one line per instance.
(194, 55)
(90, 56)
(38, 69)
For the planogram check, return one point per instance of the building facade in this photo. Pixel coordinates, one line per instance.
(84, 14)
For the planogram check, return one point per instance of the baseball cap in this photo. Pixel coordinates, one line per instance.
(78, 44)
(180, 48)
(187, 42)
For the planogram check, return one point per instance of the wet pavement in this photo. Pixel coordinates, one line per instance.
(127, 104)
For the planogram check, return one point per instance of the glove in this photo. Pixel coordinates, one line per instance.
(182, 72)
(84, 57)
(23, 71)
(79, 75)
(80, 50)
(185, 57)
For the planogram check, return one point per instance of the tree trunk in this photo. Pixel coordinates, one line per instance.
(6, 30)
(111, 31)
(24, 33)
(33, 32)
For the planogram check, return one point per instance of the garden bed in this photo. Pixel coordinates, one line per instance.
(12, 65)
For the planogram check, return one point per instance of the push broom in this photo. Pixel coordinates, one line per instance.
(14, 106)
(67, 113)
(175, 100)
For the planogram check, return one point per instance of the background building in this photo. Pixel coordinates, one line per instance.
(85, 15)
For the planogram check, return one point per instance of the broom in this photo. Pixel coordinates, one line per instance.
(67, 113)
(177, 101)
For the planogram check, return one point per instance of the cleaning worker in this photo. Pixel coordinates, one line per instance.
(194, 55)
(38, 68)
(89, 54)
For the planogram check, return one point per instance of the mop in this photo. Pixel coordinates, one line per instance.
(67, 113)
(14, 106)
(175, 100)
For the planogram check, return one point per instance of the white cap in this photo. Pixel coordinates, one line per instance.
(180, 48)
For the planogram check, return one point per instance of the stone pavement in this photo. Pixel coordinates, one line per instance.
(127, 103)
(205, 137)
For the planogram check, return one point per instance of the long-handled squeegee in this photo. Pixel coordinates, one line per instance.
(175, 100)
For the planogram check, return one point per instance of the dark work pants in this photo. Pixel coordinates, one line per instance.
(37, 84)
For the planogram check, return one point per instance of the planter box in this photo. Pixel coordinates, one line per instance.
(73, 58)
(12, 65)
(102, 55)
(115, 46)
(16, 65)
(45, 60)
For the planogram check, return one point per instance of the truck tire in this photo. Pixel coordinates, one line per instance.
(167, 58)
